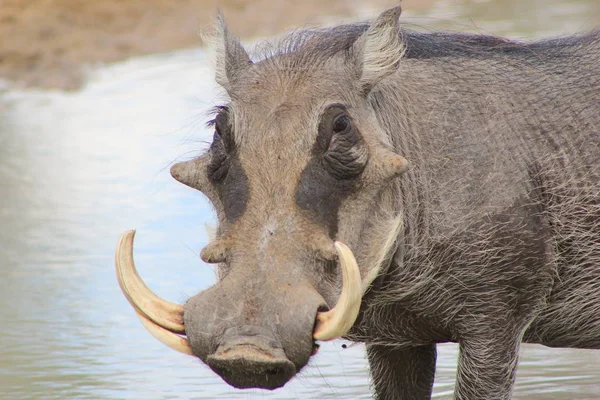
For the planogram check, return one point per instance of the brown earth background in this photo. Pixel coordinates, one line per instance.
(48, 43)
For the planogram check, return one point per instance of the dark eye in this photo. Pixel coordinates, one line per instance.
(222, 127)
(220, 147)
(341, 124)
(343, 149)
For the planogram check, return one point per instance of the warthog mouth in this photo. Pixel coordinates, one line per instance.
(164, 320)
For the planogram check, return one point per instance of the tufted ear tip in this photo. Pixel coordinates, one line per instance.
(231, 57)
(394, 12)
(379, 50)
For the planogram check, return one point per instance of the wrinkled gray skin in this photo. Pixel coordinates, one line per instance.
(491, 238)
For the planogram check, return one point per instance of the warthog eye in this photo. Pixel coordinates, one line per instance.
(341, 124)
(344, 151)
(221, 146)
(224, 169)
(218, 166)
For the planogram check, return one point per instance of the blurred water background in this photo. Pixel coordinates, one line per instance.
(78, 168)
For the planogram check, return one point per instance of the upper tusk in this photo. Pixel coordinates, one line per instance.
(165, 336)
(161, 312)
(338, 321)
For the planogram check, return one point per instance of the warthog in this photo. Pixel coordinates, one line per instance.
(434, 187)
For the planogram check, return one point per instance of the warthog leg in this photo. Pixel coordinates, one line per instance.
(402, 373)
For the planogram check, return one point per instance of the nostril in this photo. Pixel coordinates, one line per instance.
(272, 371)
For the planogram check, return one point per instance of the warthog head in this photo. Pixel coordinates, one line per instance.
(299, 172)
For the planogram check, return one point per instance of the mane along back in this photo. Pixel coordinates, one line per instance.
(321, 44)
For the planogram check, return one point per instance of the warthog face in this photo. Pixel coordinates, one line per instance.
(298, 166)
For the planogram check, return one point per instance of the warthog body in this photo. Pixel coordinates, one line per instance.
(490, 236)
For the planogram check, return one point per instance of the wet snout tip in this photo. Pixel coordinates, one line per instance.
(246, 366)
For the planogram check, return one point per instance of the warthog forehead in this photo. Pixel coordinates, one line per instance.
(276, 191)
(275, 109)
(284, 178)
(268, 89)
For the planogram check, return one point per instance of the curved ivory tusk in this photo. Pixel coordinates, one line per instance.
(338, 321)
(165, 336)
(161, 312)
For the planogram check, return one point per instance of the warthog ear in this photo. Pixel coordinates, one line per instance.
(378, 51)
(231, 56)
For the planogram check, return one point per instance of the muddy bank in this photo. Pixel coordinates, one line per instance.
(48, 44)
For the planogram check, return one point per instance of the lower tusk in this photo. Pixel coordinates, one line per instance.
(161, 312)
(338, 321)
(166, 337)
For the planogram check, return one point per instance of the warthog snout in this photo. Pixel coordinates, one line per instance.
(246, 367)
(258, 330)
(253, 332)
(249, 357)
